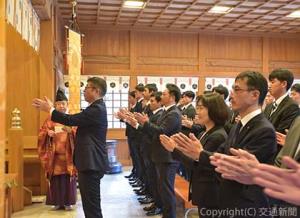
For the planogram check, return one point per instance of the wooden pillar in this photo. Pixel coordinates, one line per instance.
(15, 165)
(201, 64)
(265, 56)
(47, 76)
(2, 101)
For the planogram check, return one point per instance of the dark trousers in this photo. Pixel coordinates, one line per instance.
(135, 145)
(155, 185)
(166, 179)
(148, 172)
(132, 153)
(89, 186)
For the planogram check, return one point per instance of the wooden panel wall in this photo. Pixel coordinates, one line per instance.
(2, 102)
(29, 75)
(22, 80)
(151, 53)
(285, 53)
(165, 52)
(106, 50)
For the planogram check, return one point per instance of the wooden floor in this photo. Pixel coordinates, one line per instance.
(118, 201)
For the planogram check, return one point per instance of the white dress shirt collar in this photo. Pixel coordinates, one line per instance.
(249, 116)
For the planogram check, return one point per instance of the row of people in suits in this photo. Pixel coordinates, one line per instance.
(159, 168)
(255, 134)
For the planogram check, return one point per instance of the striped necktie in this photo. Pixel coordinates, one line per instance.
(274, 107)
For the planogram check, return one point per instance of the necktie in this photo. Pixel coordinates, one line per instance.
(236, 133)
(238, 127)
(274, 107)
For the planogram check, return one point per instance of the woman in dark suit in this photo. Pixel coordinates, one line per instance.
(204, 188)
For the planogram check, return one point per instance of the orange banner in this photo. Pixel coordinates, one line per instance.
(74, 63)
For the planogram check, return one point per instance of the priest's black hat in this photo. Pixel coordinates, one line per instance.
(60, 96)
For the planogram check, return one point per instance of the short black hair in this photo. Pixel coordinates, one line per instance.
(282, 75)
(216, 107)
(157, 96)
(174, 90)
(255, 81)
(99, 83)
(140, 87)
(222, 90)
(132, 94)
(296, 87)
(189, 94)
(151, 87)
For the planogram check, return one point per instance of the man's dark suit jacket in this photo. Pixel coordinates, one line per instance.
(169, 123)
(144, 138)
(204, 184)
(148, 136)
(257, 137)
(284, 115)
(190, 112)
(129, 129)
(90, 152)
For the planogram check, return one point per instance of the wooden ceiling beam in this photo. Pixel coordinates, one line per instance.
(268, 13)
(141, 13)
(183, 13)
(162, 12)
(200, 16)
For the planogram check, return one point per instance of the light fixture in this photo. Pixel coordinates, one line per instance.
(134, 4)
(295, 14)
(220, 9)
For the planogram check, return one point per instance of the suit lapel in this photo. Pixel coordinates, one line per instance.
(279, 108)
(268, 110)
(164, 114)
(245, 130)
(155, 116)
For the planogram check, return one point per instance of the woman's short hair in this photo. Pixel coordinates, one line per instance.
(216, 107)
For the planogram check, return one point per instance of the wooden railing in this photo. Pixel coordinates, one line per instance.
(182, 191)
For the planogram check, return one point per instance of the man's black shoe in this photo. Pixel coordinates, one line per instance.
(154, 212)
(149, 208)
(147, 201)
(142, 198)
(132, 179)
(141, 193)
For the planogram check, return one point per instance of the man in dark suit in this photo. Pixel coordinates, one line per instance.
(136, 139)
(129, 133)
(157, 110)
(188, 110)
(284, 110)
(253, 133)
(241, 169)
(169, 123)
(149, 89)
(90, 156)
(188, 113)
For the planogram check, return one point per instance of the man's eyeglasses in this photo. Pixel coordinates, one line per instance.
(238, 89)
